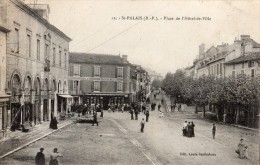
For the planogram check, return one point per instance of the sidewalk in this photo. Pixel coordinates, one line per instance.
(19, 140)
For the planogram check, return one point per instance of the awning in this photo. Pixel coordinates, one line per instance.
(66, 96)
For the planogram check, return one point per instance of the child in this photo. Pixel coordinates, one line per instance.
(245, 152)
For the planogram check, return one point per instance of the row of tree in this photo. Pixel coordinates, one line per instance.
(233, 99)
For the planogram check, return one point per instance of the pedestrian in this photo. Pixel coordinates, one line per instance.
(189, 129)
(159, 107)
(101, 113)
(184, 128)
(40, 157)
(142, 125)
(54, 157)
(192, 129)
(241, 149)
(132, 114)
(54, 123)
(147, 115)
(136, 114)
(214, 129)
(94, 118)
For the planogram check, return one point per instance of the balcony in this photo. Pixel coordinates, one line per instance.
(47, 65)
(76, 92)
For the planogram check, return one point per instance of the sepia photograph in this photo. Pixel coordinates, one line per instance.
(129, 82)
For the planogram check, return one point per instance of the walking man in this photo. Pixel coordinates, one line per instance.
(40, 157)
(132, 114)
(136, 114)
(159, 107)
(142, 125)
(147, 115)
(95, 118)
(213, 131)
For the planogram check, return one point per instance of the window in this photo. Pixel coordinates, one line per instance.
(96, 86)
(75, 85)
(217, 69)
(250, 64)
(220, 68)
(16, 47)
(243, 66)
(53, 56)
(233, 73)
(38, 50)
(242, 72)
(46, 52)
(76, 70)
(65, 54)
(120, 72)
(28, 45)
(119, 86)
(252, 73)
(96, 71)
(60, 58)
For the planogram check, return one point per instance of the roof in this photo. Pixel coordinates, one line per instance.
(256, 45)
(247, 57)
(30, 11)
(96, 58)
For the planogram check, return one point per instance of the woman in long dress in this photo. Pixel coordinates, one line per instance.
(54, 157)
(241, 149)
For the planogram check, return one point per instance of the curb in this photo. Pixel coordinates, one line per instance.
(26, 144)
(232, 125)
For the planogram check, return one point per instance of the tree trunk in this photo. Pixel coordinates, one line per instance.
(217, 111)
(204, 111)
(237, 115)
(225, 114)
(196, 109)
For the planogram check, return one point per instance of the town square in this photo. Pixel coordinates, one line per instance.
(129, 82)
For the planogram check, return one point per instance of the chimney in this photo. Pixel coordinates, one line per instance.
(42, 10)
(238, 47)
(245, 37)
(201, 51)
(124, 58)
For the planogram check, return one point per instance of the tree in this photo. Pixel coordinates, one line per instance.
(156, 84)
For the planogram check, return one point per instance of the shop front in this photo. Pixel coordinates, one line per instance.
(104, 99)
(4, 114)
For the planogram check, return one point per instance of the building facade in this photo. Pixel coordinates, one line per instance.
(100, 79)
(241, 57)
(4, 98)
(37, 63)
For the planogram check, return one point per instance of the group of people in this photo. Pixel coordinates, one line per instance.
(40, 157)
(188, 129)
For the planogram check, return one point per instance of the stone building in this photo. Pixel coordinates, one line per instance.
(4, 98)
(99, 79)
(37, 63)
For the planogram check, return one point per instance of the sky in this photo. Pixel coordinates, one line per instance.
(162, 45)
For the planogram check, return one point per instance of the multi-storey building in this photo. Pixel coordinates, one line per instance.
(99, 78)
(244, 58)
(225, 60)
(37, 63)
(4, 98)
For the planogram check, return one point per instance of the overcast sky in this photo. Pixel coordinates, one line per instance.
(163, 45)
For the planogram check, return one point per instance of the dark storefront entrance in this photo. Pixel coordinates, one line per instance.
(106, 99)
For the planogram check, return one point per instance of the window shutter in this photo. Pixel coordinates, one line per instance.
(115, 86)
(100, 74)
(116, 72)
(92, 86)
(93, 70)
(101, 84)
(71, 70)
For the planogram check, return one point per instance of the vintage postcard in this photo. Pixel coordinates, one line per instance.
(129, 82)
